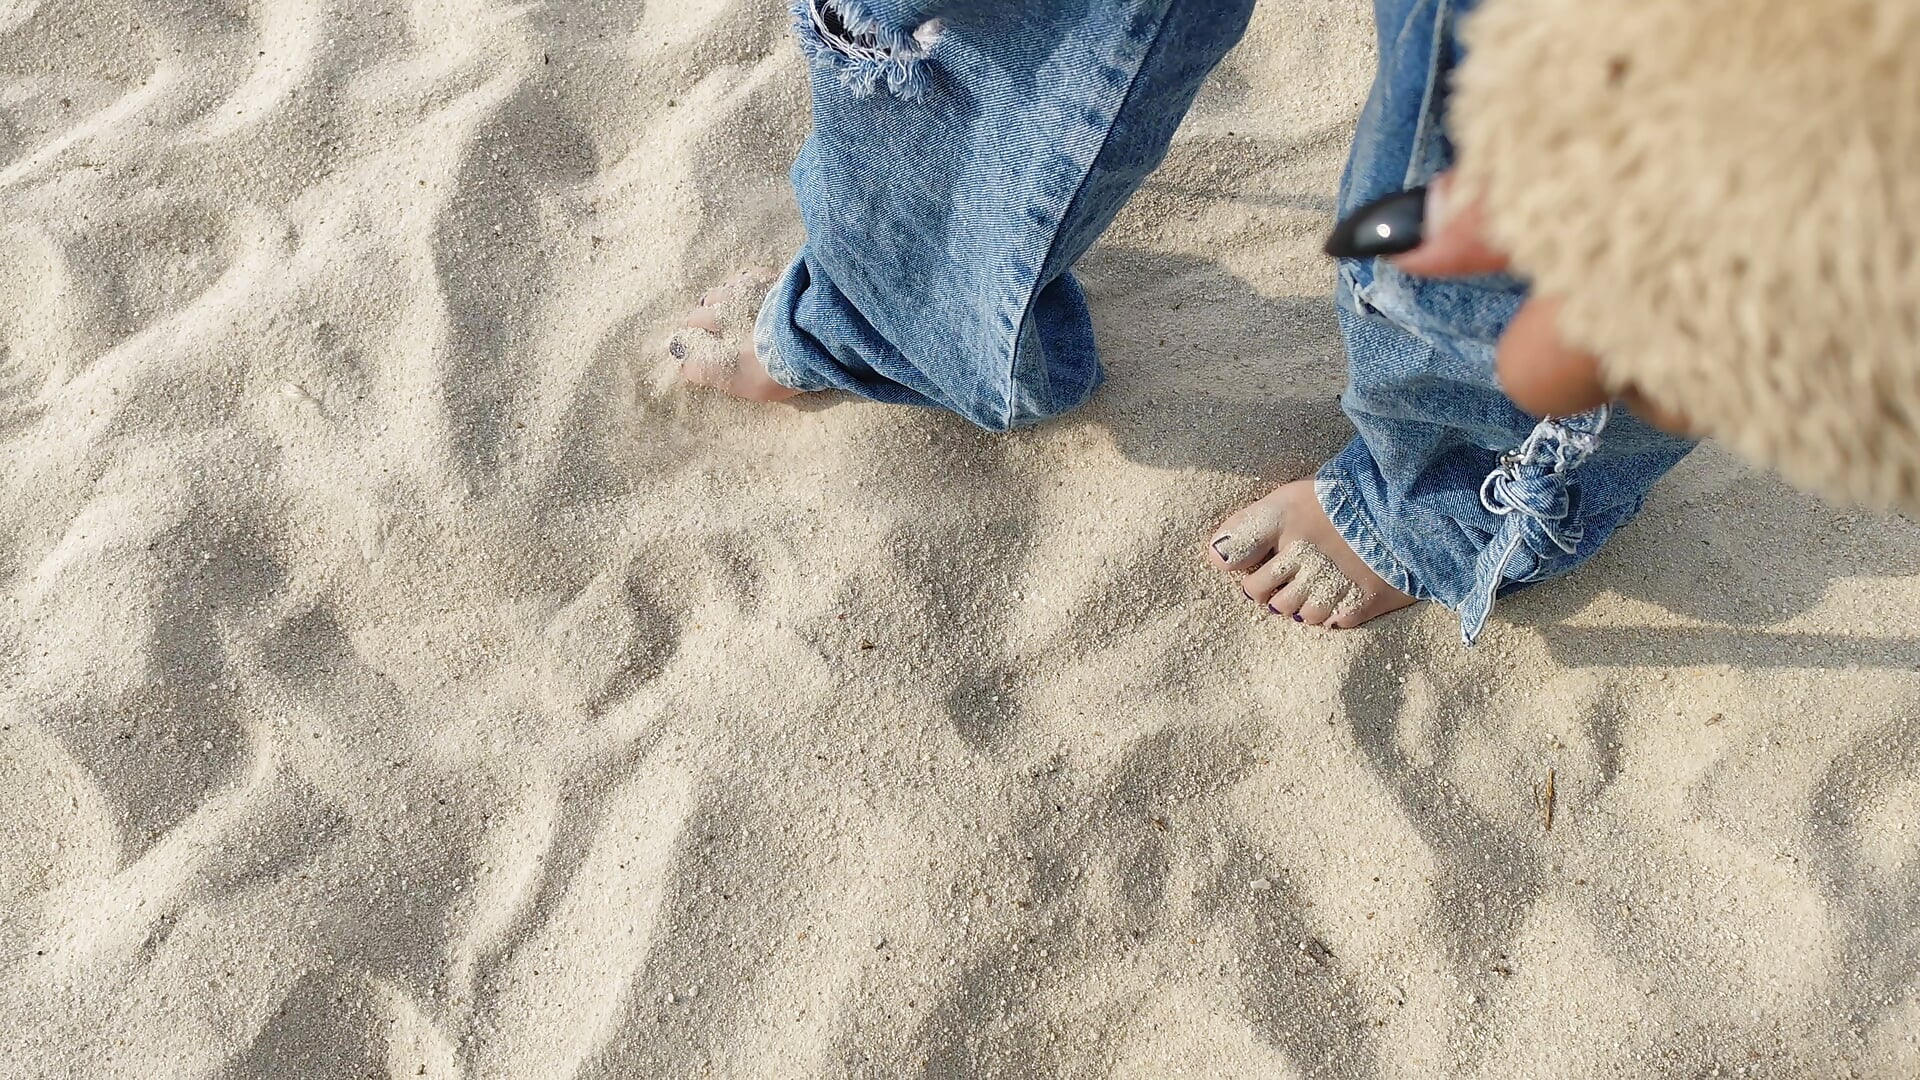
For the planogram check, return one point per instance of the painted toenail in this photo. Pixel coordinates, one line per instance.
(677, 349)
(1297, 617)
(1273, 609)
(1234, 550)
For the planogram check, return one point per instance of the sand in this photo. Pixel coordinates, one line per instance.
(397, 680)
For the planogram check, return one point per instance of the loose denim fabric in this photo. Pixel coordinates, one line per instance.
(941, 224)
(966, 154)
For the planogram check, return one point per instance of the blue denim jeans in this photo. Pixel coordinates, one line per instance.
(966, 153)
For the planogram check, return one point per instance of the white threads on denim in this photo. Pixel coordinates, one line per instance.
(867, 54)
(1557, 447)
(1530, 483)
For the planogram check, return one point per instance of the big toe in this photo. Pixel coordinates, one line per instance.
(705, 358)
(1247, 538)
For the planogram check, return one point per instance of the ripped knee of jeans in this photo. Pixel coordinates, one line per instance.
(867, 54)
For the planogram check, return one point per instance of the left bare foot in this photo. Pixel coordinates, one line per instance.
(716, 348)
(1297, 565)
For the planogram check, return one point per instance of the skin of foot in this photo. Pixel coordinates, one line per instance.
(1294, 563)
(738, 370)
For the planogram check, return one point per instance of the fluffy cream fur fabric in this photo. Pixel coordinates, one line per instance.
(1726, 195)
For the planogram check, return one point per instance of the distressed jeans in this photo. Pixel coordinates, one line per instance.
(966, 153)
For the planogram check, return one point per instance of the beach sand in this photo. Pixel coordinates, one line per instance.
(397, 679)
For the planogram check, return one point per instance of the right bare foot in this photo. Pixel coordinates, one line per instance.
(716, 350)
(1297, 565)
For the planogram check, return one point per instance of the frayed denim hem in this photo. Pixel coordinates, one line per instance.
(866, 53)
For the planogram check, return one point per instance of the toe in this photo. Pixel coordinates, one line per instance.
(679, 346)
(1242, 549)
(1327, 594)
(1287, 602)
(704, 359)
(1315, 612)
(752, 279)
(1266, 580)
(1350, 611)
(1246, 539)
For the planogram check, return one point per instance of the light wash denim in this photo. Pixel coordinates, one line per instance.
(966, 153)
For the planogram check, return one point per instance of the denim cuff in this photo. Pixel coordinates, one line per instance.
(766, 336)
(1344, 507)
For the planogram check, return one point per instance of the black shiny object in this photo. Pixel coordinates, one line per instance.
(1388, 226)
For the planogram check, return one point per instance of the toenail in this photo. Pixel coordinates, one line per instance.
(1273, 609)
(1297, 617)
(1217, 541)
(677, 349)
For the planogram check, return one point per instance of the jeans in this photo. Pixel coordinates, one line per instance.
(966, 153)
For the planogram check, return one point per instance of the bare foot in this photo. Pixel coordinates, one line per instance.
(1297, 565)
(716, 349)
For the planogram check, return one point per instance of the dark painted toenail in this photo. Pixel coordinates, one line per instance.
(1299, 617)
(677, 349)
(1218, 540)
(1273, 609)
